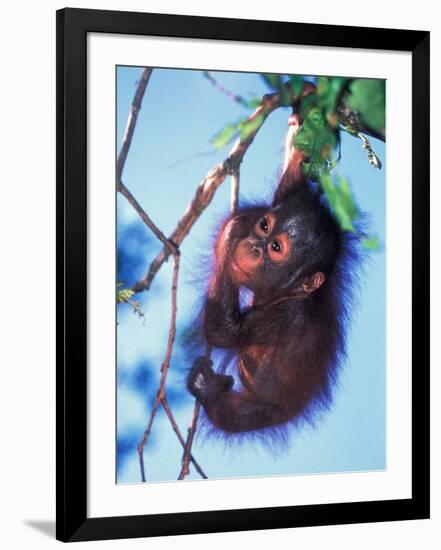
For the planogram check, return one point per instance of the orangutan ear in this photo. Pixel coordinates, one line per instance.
(313, 282)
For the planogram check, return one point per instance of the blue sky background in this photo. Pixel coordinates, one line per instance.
(170, 154)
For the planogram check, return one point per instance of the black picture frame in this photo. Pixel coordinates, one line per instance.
(72, 28)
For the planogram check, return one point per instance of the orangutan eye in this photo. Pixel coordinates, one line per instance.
(263, 224)
(275, 245)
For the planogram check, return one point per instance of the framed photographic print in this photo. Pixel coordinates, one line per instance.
(242, 274)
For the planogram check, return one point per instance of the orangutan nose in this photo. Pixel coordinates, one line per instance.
(256, 251)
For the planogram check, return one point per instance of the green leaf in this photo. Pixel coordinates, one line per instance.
(340, 200)
(276, 82)
(322, 86)
(296, 83)
(328, 92)
(253, 103)
(370, 243)
(244, 127)
(347, 198)
(227, 134)
(273, 81)
(307, 104)
(368, 98)
(251, 126)
(124, 295)
(317, 140)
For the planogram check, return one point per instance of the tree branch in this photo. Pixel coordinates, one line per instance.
(160, 397)
(146, 218)
(131, 121)
(179, 436)
(185, 470)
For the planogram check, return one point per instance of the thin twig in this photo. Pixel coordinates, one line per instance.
(146, 436)
(146, 218)
(179, 436)
(207, 189)
(131, 122)
(185, 470)
(235, 97)
(166, 363)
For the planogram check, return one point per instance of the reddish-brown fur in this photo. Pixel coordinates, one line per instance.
(289, 342)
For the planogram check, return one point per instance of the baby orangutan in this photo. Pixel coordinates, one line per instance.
(294, 257)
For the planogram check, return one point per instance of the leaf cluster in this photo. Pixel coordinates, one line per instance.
(124, 295)
(332, 105)
(367, 97)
